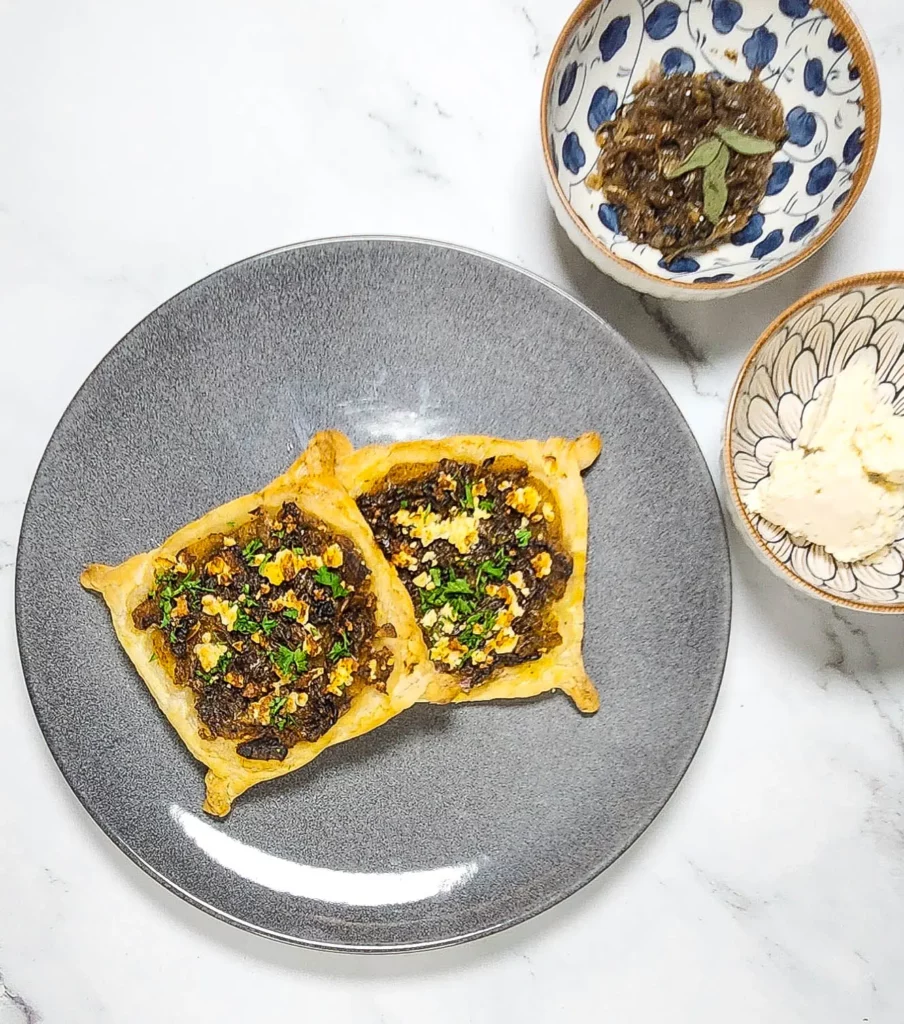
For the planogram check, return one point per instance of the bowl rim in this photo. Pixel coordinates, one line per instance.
(845, 284)
(843, 18)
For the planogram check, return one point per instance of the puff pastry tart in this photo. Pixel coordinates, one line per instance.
(268, 630)
(489, 538)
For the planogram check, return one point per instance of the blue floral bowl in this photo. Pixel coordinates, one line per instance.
(815, 57)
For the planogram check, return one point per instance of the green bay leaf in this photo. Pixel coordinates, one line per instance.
(715, 187)
(702, 155)
(747, 145)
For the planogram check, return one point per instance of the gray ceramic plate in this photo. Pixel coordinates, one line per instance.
(449, 822)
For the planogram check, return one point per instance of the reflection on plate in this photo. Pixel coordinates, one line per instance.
(324, 885)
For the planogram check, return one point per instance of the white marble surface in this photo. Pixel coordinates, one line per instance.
(146, 144)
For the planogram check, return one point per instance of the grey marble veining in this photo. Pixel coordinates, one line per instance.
(14, 1009)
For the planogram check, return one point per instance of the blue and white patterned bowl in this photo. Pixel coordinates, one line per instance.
(860, 319)
(811, 52)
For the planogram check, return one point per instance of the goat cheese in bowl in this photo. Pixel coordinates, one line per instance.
(841, 485)
(814, 444)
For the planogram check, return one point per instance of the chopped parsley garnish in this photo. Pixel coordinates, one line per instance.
(522, 538)
(276, 706)
(218, 669)
(473, 637)
(290, 613)
(458, 586)
(268, 625)
(341, 648)
(462, 598)
(448, 589)
(494, 568)
(403, 503)
(326, 578)
(170, 585)
(153, 657)
(289, 662)
(471, 502)
(245, 624)
(251, 549)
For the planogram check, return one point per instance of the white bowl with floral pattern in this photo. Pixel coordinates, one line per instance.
(859, 319)
(811, 53)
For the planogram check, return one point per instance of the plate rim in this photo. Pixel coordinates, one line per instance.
(537, 908)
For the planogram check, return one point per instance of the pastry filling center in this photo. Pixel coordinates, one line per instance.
(478, 546)
(272, 627)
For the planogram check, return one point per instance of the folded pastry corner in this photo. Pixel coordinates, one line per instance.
(489, 538)
(268, 630)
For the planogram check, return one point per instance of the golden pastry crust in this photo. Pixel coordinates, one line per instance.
(125, 586)
(557, 464)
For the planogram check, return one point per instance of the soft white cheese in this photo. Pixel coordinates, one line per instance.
(842, 487)
(881, 447)
(848, 402)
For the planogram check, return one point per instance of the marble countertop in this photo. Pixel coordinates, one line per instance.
(147, 144)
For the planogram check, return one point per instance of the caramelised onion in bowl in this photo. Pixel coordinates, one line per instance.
(687, 160)
(829, 94)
